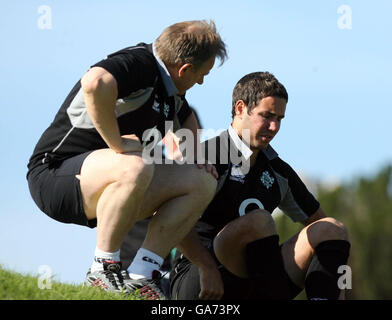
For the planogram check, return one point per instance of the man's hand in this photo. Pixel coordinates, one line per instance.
(210, 169)
(211, 284)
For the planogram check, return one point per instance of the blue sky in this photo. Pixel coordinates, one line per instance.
(338, 80)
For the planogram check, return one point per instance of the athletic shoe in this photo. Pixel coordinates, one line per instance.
(149, 289)
(109, 279)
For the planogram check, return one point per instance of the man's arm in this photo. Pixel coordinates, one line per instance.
(210, 279)
(100, 95)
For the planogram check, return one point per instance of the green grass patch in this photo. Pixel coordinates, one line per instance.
(15, 286)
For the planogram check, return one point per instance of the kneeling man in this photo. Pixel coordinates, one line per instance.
(234, 250)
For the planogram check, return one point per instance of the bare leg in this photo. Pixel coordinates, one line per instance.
(230, 244)
(178, 194)
(113, 186)
(298, 251)
(119, 189)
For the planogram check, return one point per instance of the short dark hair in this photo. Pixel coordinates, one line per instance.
(255, 86)
(190, 42)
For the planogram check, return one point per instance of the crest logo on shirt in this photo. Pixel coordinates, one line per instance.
(266, 179)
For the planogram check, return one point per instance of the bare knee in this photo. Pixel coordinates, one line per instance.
(132, 170)
(200, 183)
(254, 225)
(326, 229)
(259, 223)
(103, 167)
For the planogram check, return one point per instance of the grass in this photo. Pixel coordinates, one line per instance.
(15, 286)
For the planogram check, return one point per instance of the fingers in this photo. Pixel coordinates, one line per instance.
(210, 169)
(211, 284)
(210, 294)
(214, 172)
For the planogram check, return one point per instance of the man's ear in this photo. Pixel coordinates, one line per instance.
(240, 108)
(184, 69)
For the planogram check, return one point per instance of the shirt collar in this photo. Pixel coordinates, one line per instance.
(270, 153)
(242, 147)
(166, 78)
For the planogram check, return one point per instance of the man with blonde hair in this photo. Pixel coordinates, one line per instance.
(87, 168)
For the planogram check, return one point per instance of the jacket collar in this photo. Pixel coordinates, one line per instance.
(165, 75)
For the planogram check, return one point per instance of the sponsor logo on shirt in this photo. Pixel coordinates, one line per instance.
(237, 174)
(155, 106)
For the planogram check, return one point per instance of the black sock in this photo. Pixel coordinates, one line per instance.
(265, 267)
(322, 277)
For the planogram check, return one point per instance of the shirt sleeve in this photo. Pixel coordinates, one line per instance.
(133, 69)
(297, 201)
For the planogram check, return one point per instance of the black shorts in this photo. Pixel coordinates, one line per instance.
(56, 190)
(185, 283)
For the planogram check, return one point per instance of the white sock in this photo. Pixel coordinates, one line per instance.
(100, 256)
(144, 263)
